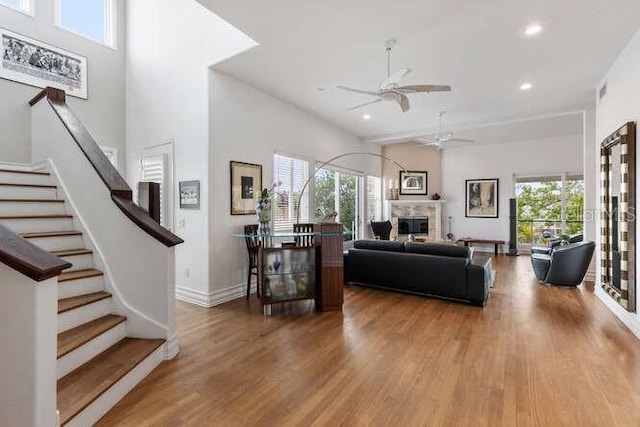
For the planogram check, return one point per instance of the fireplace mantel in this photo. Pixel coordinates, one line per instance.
(432, 209)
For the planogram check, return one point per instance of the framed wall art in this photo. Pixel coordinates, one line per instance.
(246, 185)
(189, 194)
(413, 183)
(35, 63)
(481, 198)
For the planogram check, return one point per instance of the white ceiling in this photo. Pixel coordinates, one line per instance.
(477, 47)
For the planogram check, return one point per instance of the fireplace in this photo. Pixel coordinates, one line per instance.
(420, 217)
(413, 225)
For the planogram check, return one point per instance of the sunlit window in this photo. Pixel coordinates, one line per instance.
(21, 5)
(93, 19)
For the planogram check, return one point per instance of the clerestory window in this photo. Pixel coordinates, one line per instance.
(93, 19)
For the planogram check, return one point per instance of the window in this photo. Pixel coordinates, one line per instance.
(93, 19)
(337, 191)
(293, 173)
(374, 199)
(25, 6)
(549, 207)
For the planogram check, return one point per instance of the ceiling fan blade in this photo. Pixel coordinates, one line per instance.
(394, 78)
(443, 137)
(425, 88)
(461, 140)
(403, 100)
(364, 105)
(364, 92)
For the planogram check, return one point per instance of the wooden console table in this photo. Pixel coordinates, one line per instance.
(467, 240)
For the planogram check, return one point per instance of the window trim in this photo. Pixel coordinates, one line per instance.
(110, 24)
(27, 7)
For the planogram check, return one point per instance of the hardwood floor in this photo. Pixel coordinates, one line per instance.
(535, 355)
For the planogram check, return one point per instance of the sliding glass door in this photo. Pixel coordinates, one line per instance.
(549, 207)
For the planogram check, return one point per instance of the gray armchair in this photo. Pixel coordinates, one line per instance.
(565, 266)
(554, 244)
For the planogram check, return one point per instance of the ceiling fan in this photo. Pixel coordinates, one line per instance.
(438, 140)
(390, 89)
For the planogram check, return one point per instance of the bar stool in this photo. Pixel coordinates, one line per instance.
(303, 228)
(252, 240)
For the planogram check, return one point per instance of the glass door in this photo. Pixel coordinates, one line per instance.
(549, 207)
(338, 191)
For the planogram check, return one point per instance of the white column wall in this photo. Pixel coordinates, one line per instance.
(249, 125)
(620, 105)
(170, 46)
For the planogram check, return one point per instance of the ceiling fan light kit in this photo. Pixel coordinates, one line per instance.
(390, 89)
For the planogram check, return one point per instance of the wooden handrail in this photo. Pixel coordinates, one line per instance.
(27, 258)
(121, 193)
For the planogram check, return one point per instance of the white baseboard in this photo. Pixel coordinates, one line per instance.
(172, 347)
(211, 299)
(630, 320)
(590, 276)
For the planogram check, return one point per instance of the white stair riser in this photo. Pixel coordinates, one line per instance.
(24, 178)
(88, 351)
(99, 407)
(73, 288)
(58, 243)
(10, 192)
(31, 208)
(39, 225)
(79, 262)
(72, 318)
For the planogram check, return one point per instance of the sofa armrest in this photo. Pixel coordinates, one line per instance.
(478, 280)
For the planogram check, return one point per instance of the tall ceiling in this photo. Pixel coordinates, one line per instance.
(477, 47)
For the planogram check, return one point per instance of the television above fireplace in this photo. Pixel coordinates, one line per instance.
(413, 225)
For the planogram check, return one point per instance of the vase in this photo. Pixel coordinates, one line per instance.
(264, 227)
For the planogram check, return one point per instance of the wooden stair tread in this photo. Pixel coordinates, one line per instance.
(78, 336)
(71, 303)
(79, 274)
(25, 172)
(36, 217)
(32, 200)
(51, 234)
(10, 184)
(71, 252)
(80, 388)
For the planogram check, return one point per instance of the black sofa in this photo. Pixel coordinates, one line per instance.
(430, 269)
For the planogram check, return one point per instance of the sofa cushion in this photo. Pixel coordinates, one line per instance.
(437, 249)
(379, 245)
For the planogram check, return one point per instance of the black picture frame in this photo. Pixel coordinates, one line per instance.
(482, 198)
(413, 183)
(245, 187)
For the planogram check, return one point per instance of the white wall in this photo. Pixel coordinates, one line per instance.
(415, 158)
(249, 125)
(620, 105)
(502, 161)
(170, 46)
(102, 113)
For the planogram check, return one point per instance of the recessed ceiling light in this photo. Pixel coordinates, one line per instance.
(526, 86)
(533, 29)
(366, 117)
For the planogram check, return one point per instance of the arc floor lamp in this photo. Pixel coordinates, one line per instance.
(323, 164)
